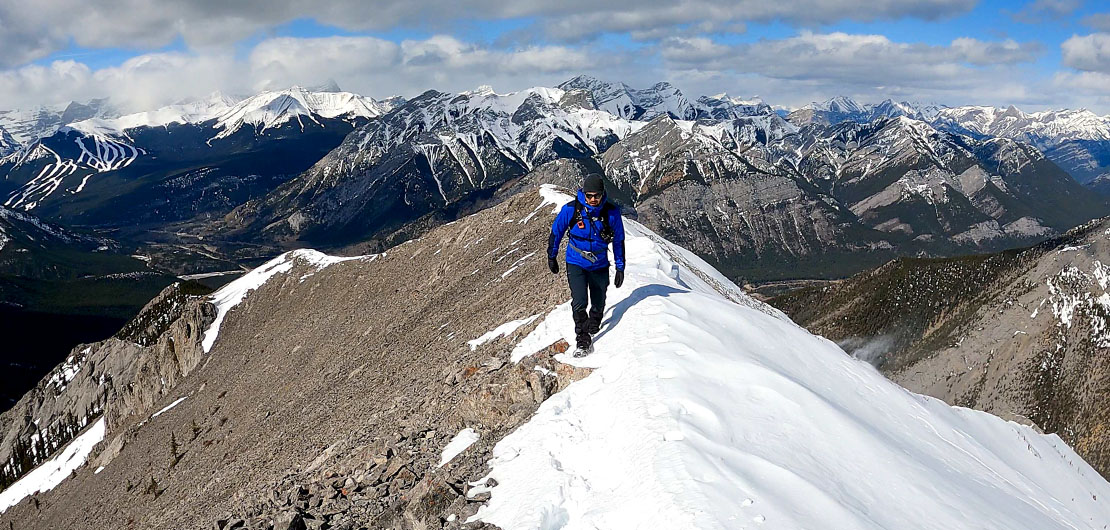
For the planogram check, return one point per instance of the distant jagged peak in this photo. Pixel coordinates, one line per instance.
(723, 96)
(626, 102)
(1046, 128)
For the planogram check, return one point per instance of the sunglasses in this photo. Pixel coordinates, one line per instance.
(593, 195)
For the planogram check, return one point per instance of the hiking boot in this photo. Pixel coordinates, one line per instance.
(582, 351)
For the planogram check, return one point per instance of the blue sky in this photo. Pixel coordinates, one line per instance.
(789, 52)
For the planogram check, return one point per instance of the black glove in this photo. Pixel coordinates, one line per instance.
(553, 264)
(619, 279)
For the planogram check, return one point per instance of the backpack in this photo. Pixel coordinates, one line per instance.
(606, 230)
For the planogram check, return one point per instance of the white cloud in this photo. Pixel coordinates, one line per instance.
(815, 66)
(863, 60)
(366, 65)
(34, 30)
(1084, 89)
(1088, 52)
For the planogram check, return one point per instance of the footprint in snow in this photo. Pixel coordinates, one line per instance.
(759, 519)
(747, 502)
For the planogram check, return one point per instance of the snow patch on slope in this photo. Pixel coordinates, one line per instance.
(464, 439)
(54, 471)
(500, 331)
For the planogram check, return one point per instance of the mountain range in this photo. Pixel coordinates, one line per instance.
(867, 191)
(221, 184)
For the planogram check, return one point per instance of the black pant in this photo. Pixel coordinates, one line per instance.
(593, 283)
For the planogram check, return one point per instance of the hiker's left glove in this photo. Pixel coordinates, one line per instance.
(553, 265)
(618, 279)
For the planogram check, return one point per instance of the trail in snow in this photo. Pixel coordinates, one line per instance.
(709, 412)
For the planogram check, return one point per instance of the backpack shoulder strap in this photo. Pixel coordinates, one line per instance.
(605, 209)
(577, 212)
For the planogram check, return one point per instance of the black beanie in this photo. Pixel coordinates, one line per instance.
(593, 184)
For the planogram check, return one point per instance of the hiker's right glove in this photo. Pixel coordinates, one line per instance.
(553, 264)
(619, 280)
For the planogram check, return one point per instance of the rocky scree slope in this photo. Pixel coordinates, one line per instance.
(1020, 334)
(359, 370)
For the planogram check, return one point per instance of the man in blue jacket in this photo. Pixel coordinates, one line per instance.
(593, 222)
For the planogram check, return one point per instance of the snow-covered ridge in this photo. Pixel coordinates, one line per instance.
(844, 108)
(708, 409)
(703, 412)
(1044, 129)
(524, 125)
(263, 111)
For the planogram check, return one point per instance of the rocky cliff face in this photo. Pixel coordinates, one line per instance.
(1020, 334)
(117, 378)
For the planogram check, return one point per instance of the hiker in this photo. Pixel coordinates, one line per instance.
(594, 222)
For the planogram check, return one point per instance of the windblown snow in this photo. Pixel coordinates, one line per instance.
(706, 411)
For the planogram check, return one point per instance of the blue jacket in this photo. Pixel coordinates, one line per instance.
(586, 235)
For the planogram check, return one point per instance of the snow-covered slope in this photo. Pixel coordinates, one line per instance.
(8, 143)
(54, 471)
(629, 103)
(709, 410)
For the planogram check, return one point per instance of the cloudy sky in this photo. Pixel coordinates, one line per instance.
(1035, 54)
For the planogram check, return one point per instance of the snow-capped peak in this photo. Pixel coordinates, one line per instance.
(272, 108)
(195, 111)
(839, 104)
(723, 96)
(625, 102)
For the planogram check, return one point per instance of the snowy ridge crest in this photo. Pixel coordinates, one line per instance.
(703, 412)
